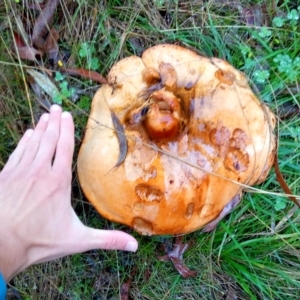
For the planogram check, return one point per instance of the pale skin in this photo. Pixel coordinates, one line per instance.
(37, 221)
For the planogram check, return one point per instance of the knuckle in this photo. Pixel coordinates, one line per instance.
(112, 243)
(51, 136)
(62, 179)
(33, 146)
(65, 146)
(36, 174)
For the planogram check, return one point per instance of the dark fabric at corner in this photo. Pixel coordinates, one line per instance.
(2, 288)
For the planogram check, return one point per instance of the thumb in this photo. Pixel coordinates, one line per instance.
(107, 239)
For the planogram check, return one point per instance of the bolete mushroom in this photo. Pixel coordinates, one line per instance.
(184, 131)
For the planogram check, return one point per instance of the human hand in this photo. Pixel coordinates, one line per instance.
(37, 221)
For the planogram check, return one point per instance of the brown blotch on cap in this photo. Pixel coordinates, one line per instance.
(168, 75)
(225, 76)
(236, 161)
(219, 136)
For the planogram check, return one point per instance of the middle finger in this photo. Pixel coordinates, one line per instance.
(50, 137)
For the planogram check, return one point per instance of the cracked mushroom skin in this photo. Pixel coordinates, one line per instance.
(194, 130)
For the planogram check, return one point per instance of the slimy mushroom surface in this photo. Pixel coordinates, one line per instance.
(194, 129)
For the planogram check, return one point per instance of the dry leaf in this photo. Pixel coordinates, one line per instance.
(40, 97)
(51, 45)
(255, 15)
(25, 51)
(125, 290)
(92, 75)
(121, 139)
(125, 286)
(28, 53)
(21, 29)
(18, 40)
(44, 82)
(43, 23)
(176, 256)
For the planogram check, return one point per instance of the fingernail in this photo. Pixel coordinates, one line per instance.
(45, 117)
(66, 114)
(55, 107)
(131, 246)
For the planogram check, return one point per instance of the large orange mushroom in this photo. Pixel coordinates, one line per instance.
(170, 138)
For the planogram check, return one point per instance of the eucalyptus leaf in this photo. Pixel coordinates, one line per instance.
(45, 83)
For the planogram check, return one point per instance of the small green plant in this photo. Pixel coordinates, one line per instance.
(87, 51)
(65, 91)
(278, 21)
(288, 67)
(280, 203)
(261, 76)
(265, 32)
(245, 49)
(293, 15)
(291, 18)
(283, 64)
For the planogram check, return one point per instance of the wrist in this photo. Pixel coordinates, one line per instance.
(2, 287)
(12, 260)
(9, 269)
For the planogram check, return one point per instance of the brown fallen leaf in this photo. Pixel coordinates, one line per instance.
(92, 75)
(147, 275)
(255, 15)
(18, 40)
(43, 23)
(125, 290)
(125, 286)
(25, 51)
(28, 53)
(123, 146)
(176, 256)
(51, 44)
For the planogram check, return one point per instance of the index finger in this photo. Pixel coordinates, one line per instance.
(65, 145)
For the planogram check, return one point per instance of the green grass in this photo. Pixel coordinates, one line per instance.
(243, 257)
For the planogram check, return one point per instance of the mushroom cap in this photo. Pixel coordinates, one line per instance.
(194, 131)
